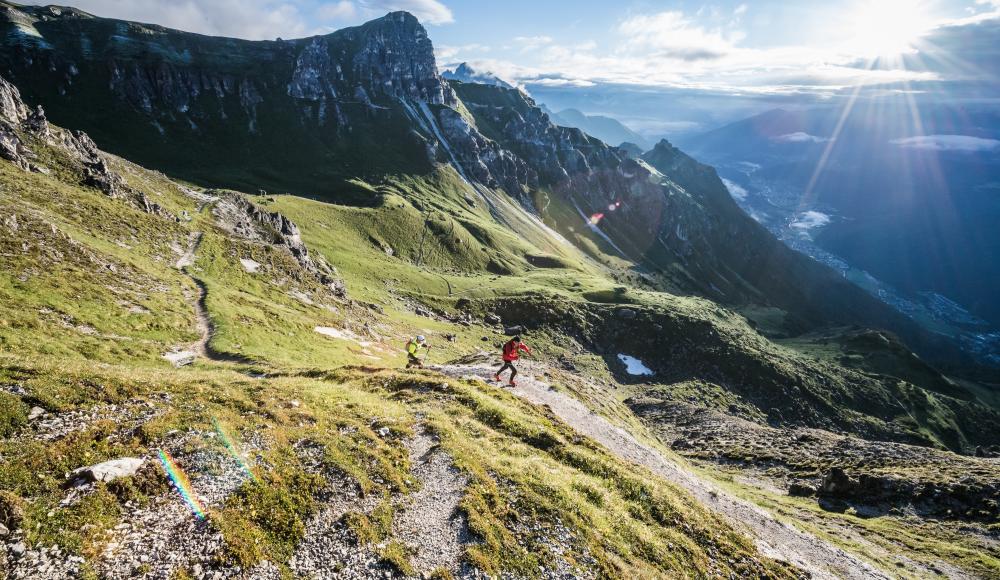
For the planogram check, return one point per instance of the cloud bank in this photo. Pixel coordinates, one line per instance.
(800, 137)
(960, 143)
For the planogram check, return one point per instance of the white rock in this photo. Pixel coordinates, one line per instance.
(110, 470)
(250, 265)
(35, 413)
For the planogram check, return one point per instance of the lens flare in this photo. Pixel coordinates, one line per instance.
(231, 448)
(182, 484)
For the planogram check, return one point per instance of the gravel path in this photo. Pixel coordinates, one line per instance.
(428, 522)
(431, 524)
(773, 538)
(182, 356)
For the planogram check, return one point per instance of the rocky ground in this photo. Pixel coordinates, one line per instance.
(166, 537)
(427, 525)
(871, 477)
(155, 540)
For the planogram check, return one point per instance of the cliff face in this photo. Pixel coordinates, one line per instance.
(326, 108)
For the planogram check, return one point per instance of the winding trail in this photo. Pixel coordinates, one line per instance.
(773, 538)
(200, 348)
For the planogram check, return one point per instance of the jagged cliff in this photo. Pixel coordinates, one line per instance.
(297, 115)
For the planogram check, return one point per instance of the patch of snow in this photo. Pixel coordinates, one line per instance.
(735, 190)
(634, 366)
(341, 334)
(250, 265)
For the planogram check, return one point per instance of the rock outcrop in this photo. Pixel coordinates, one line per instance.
(240, 217)
(14, 119)
(19, 123)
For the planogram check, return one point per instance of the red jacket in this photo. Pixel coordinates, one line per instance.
(511, 350)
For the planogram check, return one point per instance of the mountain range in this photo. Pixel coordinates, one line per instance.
(216, 250)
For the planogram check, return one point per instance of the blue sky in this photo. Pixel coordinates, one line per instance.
(769, 49)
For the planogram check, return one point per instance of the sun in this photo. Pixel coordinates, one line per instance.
(888, 27)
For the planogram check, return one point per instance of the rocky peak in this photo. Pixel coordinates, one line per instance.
(396, 58)
(690, 174)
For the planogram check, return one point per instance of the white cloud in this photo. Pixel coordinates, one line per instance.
(963, 143)
(671, 35)
(800, 137)
(254, 19)
(343, 10)
(677, 50)
(735, 189)
(556, 82)
(810, 220)
(446, 53)
(532, 43)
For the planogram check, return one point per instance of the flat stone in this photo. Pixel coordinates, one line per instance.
(35, 413)
(110, 470)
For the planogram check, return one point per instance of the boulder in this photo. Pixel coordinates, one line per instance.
(11, 510)
(18, 549)
(492, 319)
(35, 413)
(837, 483)
(109, 470)
(801, 489)
(626, 314)
(513, 330)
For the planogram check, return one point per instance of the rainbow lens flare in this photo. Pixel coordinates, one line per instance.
(182, 484)
(227, 441)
